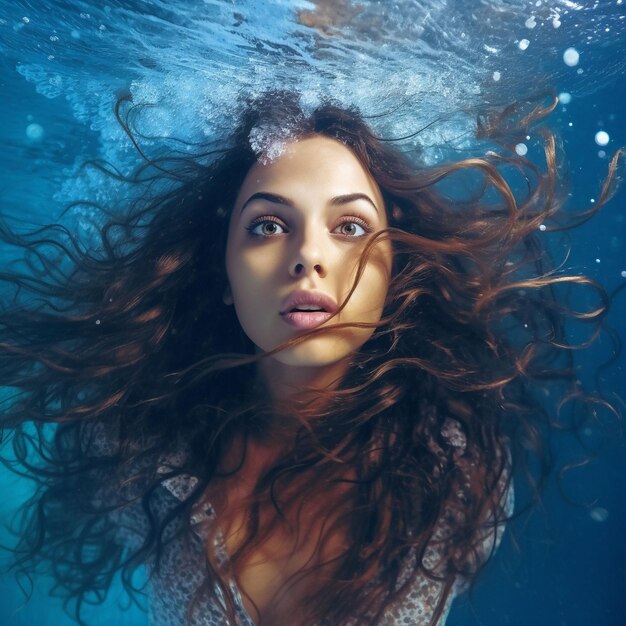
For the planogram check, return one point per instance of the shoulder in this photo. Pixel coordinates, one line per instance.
(138, 493)
(482, 494)
(467, 532)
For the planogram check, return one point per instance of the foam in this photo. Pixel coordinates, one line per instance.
(405, 64)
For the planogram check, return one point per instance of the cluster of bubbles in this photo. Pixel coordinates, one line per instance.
(270, 142)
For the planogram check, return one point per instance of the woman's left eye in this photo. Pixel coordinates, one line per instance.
(353, 228)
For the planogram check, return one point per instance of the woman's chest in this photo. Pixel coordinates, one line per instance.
(279, 558)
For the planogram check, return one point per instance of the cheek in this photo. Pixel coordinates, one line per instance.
(250, 271)
(239, 269)
(371, 292)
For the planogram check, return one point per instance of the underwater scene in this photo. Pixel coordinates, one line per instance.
(420, 71)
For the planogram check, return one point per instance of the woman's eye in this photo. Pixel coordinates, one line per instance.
(266, 228)
(353, 228)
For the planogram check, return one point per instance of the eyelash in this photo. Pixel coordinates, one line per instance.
(346, 219)
(263, 220)
(355, 219)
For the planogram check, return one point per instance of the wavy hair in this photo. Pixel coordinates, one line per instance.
(120, 357)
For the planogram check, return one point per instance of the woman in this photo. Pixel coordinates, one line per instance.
(296, 380)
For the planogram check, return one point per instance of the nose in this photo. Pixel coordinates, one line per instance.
(300, 269)
(308, 259)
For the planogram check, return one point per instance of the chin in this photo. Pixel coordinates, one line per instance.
(322, 351)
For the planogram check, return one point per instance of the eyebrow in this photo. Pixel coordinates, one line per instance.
(336, 201)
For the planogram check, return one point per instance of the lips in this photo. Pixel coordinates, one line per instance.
(307, 309)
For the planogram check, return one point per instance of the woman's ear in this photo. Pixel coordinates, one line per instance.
(227, 298)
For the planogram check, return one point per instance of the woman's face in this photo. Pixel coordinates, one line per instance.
(298, 227)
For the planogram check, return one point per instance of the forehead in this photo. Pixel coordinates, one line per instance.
(318, 165)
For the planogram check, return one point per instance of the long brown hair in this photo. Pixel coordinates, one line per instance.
(121, 356)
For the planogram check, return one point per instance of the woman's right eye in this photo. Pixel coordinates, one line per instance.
(266, 227)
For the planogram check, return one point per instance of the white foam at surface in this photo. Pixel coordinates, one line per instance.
(571, 5)
(193, 64)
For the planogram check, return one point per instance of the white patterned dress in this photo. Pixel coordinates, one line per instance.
(182, 569)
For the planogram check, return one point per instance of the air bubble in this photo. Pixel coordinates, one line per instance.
(623, 273)
(542, 227)
(599, 514)
(602, 154)
(521, 149)
(597, 260)
(523, 44)
(34, 132)
(496, 76)
(26, 20)
(602, 138)
(565, 98)
(571, 57)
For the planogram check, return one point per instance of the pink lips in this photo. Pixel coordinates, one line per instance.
(295, 309)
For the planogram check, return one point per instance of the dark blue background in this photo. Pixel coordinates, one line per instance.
(569, 570)
(566, 569)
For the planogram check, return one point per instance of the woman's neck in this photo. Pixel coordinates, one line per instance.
(289, 386)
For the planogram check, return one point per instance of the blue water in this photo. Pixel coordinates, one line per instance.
(62, 65)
